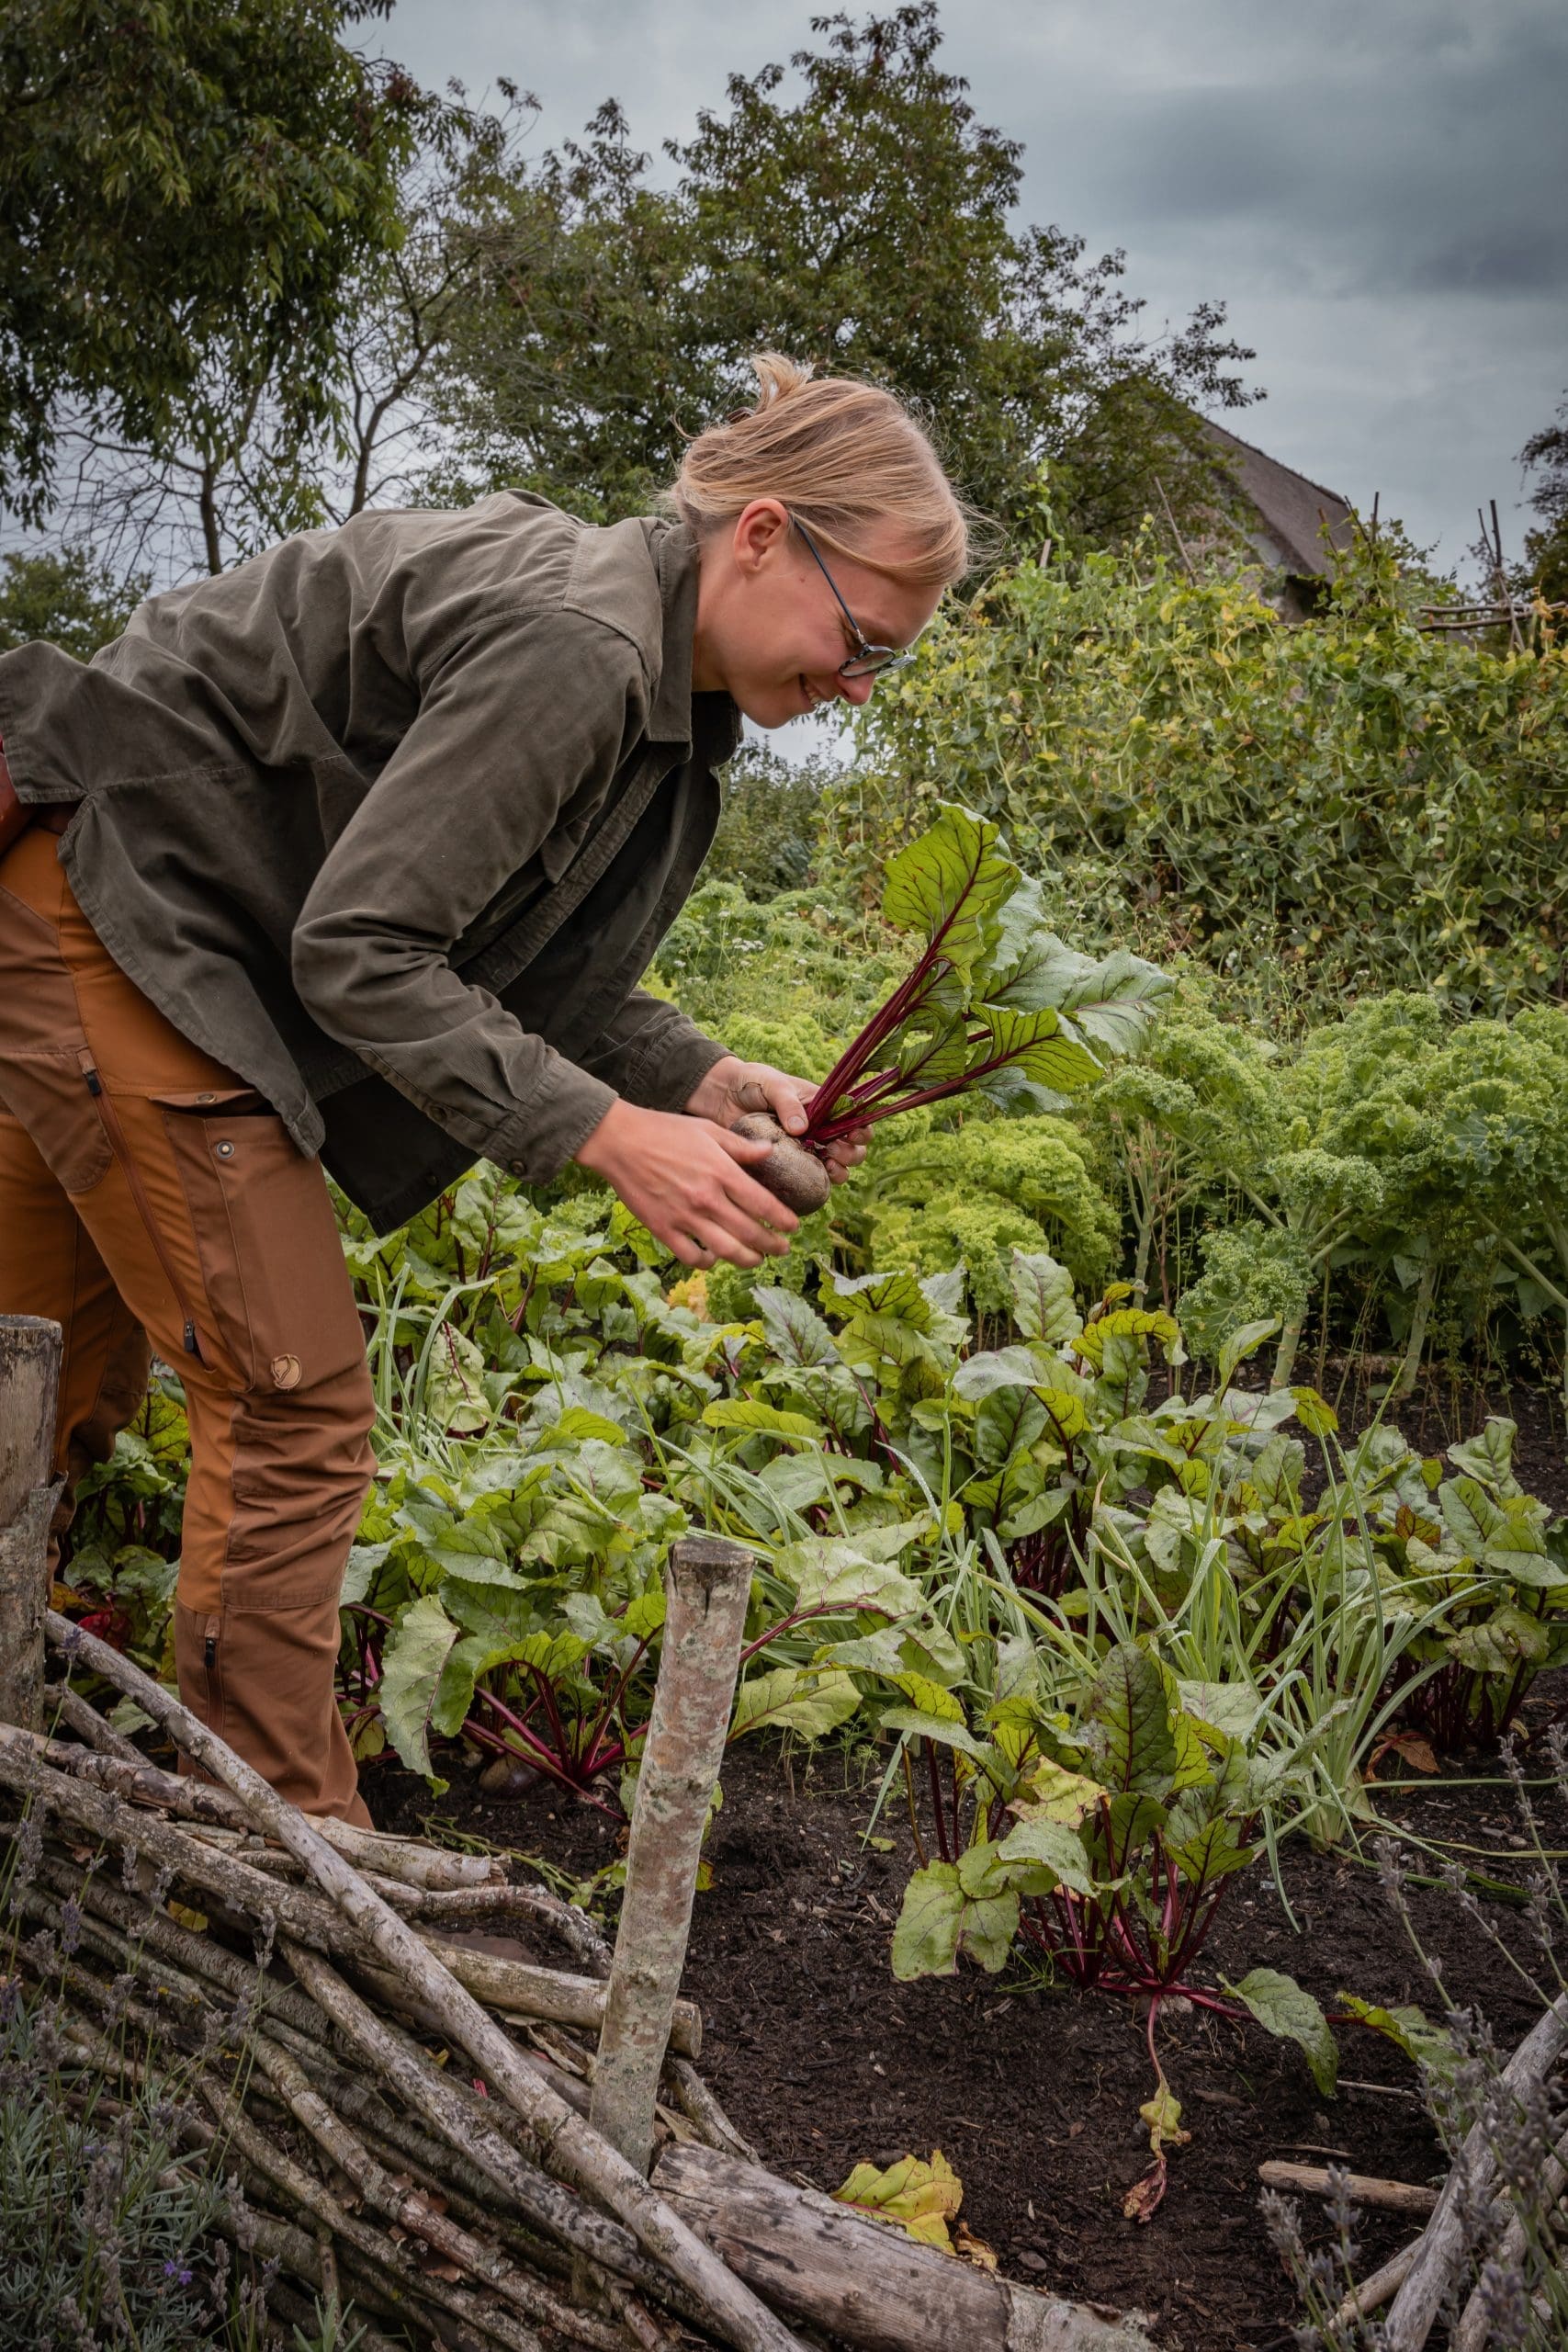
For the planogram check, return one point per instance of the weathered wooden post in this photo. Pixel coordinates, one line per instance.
(708, 1585)
(29, 1384)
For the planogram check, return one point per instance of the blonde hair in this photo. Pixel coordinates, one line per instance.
(845, 457)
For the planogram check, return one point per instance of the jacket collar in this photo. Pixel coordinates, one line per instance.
(678, 716)
(640, 577)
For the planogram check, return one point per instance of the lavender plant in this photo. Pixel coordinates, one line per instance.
(1509, 2142)
(109, 2226)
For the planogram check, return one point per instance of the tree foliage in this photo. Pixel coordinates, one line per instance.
(184, 192)
(65, 596)
(1546, 549)
(859, 216)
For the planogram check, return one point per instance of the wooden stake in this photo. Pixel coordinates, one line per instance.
(708, 1585)
(29, 1384)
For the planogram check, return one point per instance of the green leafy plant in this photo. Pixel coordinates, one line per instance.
(120, 1556)
(935, 1197)
(996, 1004)
(1500, 1563)
(1341, 807)
(1105, 1845)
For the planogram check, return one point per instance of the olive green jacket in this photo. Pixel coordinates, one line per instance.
(391, 819)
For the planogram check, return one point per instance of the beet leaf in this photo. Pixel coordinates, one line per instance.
(997, 1004)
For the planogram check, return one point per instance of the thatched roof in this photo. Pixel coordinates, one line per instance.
(1287, 511)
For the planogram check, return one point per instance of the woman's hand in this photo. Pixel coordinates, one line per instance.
(733, 1087)
(687, 1179)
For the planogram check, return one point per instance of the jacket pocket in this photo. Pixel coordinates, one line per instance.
(277, 1290)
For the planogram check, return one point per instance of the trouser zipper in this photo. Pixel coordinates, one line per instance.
(118, 1145)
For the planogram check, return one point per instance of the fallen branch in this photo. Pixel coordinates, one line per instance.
(564, 2143)
(698, 2102)
(415, 2213)
(1373, 2292)
(210, 1872)
(865, 2280)
(78, 1715)
(1364, 2188)
(127, 1773)
(1476, 2321)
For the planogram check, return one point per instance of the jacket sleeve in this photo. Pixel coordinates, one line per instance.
(513, 722)
(652, 1054)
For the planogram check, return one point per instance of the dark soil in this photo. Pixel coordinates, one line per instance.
(1032, 2094)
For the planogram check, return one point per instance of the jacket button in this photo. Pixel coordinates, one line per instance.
(224, 1151)
(518, 1167)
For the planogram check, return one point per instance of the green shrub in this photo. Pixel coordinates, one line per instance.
(1313, 811)
(767, 834)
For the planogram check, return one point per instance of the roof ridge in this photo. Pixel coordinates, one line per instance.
(1269, 459)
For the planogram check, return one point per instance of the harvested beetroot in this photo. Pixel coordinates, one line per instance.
(796, 1175)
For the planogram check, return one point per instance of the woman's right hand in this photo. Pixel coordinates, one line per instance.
(687, 1179)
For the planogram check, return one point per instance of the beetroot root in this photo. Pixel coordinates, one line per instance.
(796, 1175)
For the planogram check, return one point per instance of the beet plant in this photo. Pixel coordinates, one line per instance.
(1497, 1562)
(995, 1005)
(1106, 1847)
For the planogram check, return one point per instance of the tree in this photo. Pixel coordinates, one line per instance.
(863, 223)
(573, 369)
(239, 463)
(185, 194)
(767, 834)
(1546, 550)
(67, 596)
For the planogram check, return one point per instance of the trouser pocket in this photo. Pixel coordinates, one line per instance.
(264, 1680)
(41, 1076)
(277, 1290)
(120, 1151)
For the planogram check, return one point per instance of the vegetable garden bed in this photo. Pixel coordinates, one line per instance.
(1032, 2095)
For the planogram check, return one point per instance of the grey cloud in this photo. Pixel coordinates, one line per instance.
(1376, 186)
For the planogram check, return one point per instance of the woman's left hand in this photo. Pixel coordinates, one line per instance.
(733, 1087)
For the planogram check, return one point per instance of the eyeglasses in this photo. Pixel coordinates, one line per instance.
(867, 659)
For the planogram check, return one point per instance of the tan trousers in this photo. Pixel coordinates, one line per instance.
(146, 1195)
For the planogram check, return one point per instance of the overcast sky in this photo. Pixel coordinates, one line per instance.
(1377, 189)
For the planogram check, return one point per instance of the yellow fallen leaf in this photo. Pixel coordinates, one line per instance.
(1163, 2115)
(921, 2198)
(973, 2249)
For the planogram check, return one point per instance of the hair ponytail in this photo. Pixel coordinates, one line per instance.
(845, 457)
